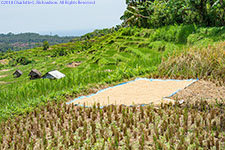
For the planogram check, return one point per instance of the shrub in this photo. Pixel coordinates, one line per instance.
(183, 32)
(60, 52)
(23, 60)
(20, 60)
(45, 45)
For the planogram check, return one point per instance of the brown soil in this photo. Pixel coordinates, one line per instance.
(2, 76)
(3, 61)
(202, 90)
(2, 82)
(73, 64)
(107, 70)
(4, 70)
(138, 92)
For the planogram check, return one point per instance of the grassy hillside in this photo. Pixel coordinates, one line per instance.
(109, 59)
(24, 41)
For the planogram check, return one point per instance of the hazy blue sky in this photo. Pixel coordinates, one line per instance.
(60, 19)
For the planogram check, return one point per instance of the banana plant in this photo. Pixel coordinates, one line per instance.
(135, 15)
(156, 13)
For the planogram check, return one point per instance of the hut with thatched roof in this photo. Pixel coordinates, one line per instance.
(17, 73)
(34, 74)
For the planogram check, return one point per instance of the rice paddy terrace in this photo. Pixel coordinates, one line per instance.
(35, 110)
(102, 60)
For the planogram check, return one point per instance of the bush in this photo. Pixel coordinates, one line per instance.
(45, 45)
(183, 32)
(20, 60)
(60, 52)
(23, 60)
(177, 34)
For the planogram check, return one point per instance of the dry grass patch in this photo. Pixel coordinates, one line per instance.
(2, 76)
(4, 70)
(73, 64)
(4, 61)
(3, 82)
(206, 63)
(202, 90)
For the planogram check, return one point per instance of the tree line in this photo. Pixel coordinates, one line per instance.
(157, 13)
(23, 41)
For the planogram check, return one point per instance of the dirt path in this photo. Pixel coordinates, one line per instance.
(3, 61)
(2, 82)
(202, 90)
(73, 64)
(2, 76)
(4, 70)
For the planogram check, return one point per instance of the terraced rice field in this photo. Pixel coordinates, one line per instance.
(59, 126)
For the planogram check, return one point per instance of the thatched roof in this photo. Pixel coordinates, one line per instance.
(18, 72)
(35, 72)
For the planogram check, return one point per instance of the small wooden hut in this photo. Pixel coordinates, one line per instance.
(34, 74)
(55, 74)
(17, 73)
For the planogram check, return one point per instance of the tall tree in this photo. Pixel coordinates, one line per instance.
(45, 45)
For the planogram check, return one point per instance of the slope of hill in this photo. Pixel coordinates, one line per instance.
(24, 41)
(128, 53)
(34, 113)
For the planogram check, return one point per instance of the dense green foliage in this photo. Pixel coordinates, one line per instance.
(45, 45)
(109, 59)
(157, 13)
(24, 41)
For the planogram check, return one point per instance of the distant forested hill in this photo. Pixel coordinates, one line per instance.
(23, 41)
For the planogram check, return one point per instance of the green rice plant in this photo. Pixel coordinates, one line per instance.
(22, 95)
